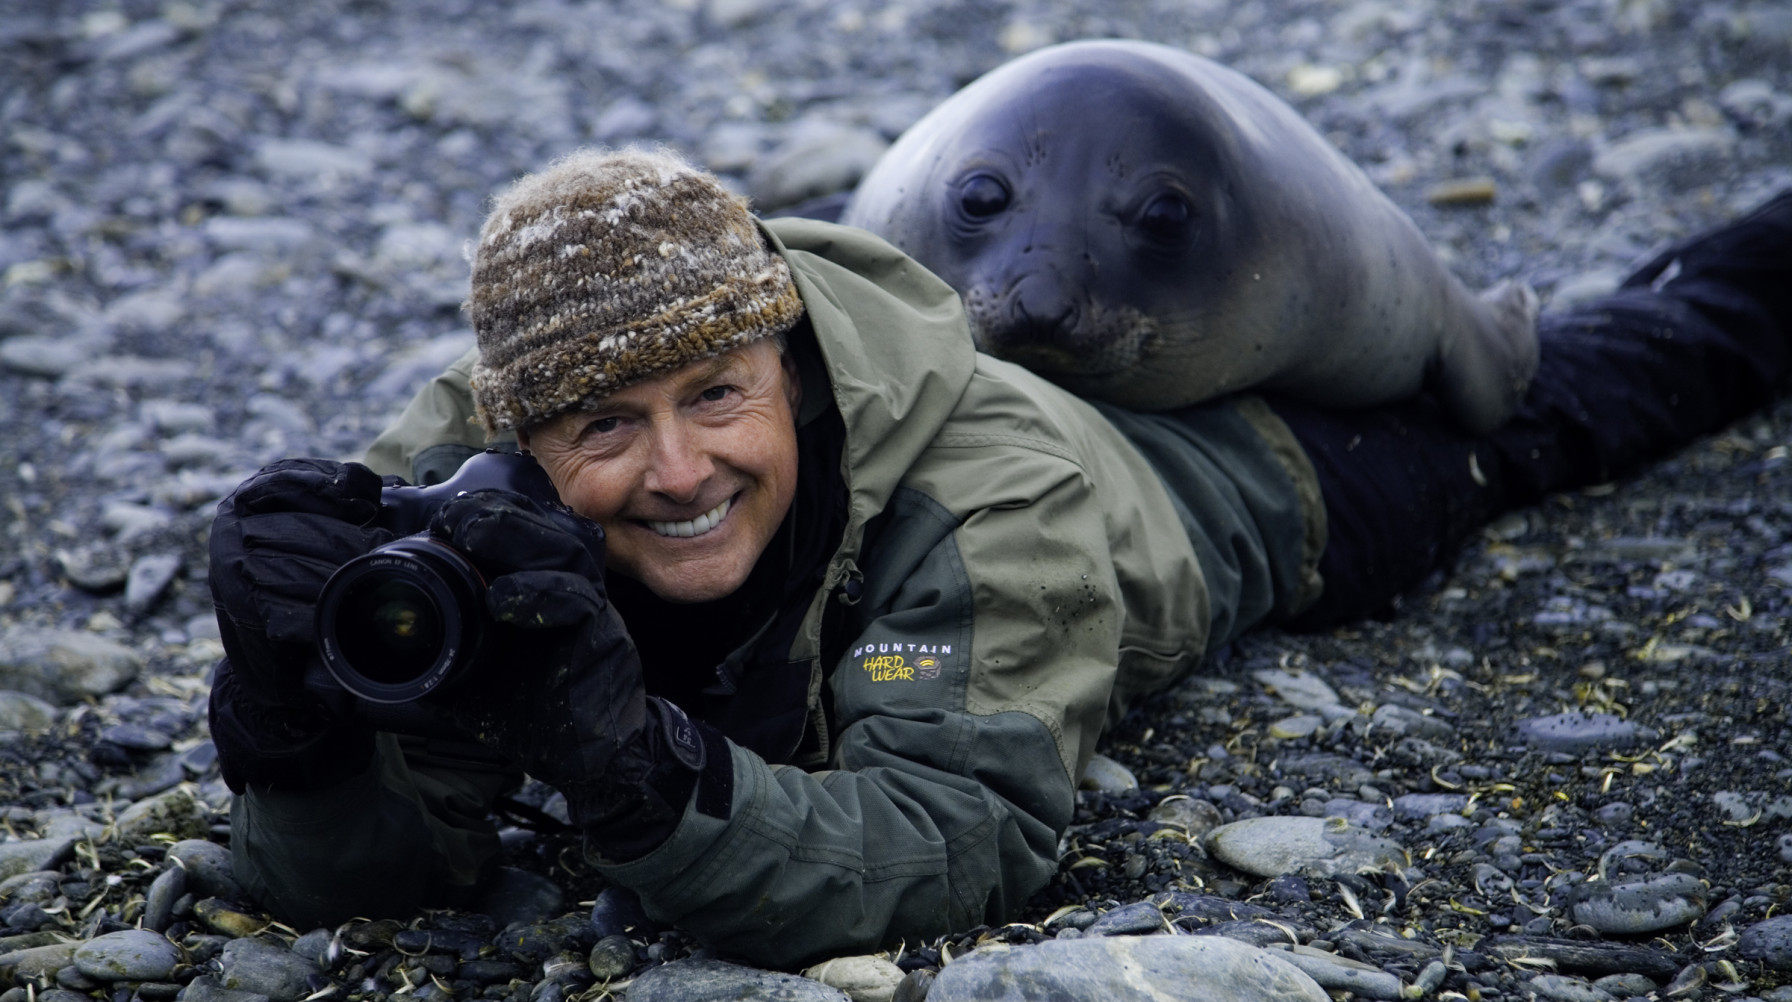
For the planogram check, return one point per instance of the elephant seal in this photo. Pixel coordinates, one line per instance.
(1152, 229)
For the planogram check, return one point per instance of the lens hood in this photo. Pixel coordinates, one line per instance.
(402, 620)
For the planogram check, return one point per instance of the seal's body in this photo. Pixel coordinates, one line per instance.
(1150, 228)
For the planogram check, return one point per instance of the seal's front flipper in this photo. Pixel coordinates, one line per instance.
(1483, 372)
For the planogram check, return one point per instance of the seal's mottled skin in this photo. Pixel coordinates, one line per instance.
(1150, 228)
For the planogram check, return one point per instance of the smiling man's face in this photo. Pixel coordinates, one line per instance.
(690, 473)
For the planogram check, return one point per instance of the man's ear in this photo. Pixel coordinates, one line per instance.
(793, 381)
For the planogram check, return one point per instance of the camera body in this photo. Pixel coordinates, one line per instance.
(407, 618)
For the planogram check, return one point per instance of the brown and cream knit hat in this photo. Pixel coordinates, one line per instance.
(607, 268)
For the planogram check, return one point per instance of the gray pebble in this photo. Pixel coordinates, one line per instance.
(1108, 776)
(1614, 815)
(135, 737)
(29, 855)
(208, 869)
(99, 568)
(1414, 806)
(251, 965)
(1139, 918)
(1770, 942)
(717, 981)
(64, 666)
(1565, 989)
(1403, 720)
(206, 988)
(1626, 985)
(164, 891)
(130, 955)
(1734, 805)
(1361, 813)
(1630, 908)
(1575, 732)
(1302, 690)
(1786, 848)
(1179, 968)
(316, 946)
(1197, 817)
(23, 712)
(1272, 846)
(1335, 973)
(613, 957)
(1671, 159)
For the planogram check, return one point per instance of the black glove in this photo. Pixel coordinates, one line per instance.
(276, 539)
(564, 697)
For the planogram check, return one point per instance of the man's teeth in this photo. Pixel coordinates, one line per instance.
(696, 526)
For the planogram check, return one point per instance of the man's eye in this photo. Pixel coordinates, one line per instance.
(715, 393)
(603, 425)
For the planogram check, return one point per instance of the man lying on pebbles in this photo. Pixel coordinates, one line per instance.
(862, 600)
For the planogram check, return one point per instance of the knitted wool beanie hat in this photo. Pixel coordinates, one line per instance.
(607, 268)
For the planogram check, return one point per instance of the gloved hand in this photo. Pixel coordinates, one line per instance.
(565, 697)
(276, 539)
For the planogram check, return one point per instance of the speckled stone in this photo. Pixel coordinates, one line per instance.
(1125, 969)
(1272, 846)
(130, 955)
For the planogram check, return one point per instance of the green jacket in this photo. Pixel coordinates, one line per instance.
(1030, 573)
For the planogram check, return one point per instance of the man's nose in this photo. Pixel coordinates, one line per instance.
(680, 463)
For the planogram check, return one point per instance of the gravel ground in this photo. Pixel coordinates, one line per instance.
(233, 230)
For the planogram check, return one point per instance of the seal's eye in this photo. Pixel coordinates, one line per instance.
(1167, 217)
(982, 196)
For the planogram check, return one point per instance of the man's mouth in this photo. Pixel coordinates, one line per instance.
(696, 526)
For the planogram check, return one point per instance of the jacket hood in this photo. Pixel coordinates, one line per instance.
(896, 345)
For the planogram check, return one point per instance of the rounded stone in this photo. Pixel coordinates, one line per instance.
(1634, 907)
(24, 712)
(129, 955)
(864, 978)
(1770, 942)
(1322, 847)
(1575, 732)
(251, 965)
(1108, 776)
(718, 981)
(613, 957)
(1197, 817)
(1185, 968)
(208, 868)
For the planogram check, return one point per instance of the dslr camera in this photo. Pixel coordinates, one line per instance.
(407, 618)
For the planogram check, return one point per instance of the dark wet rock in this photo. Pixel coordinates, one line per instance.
(315, 946)
(1592, 958)
(617, 912)
(1125, 969)
(1615, 815)
(1139, 918)
(208, 868)
(136, 738)
(718, 981)
(36, 963)
(251, 965)
(164, 891)
(1264, 933)
(520, 896)
(1273, 846)
(130, 955)
(64, 666)
(1770, 942)
(1576, 732)
(612, 958)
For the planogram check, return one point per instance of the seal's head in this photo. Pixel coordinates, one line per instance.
(1081, 201)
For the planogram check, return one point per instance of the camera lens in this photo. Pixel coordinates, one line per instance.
(394, 624)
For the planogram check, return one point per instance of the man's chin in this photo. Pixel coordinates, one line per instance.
(687, 582)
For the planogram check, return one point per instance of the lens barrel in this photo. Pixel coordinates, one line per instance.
(400, 620)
